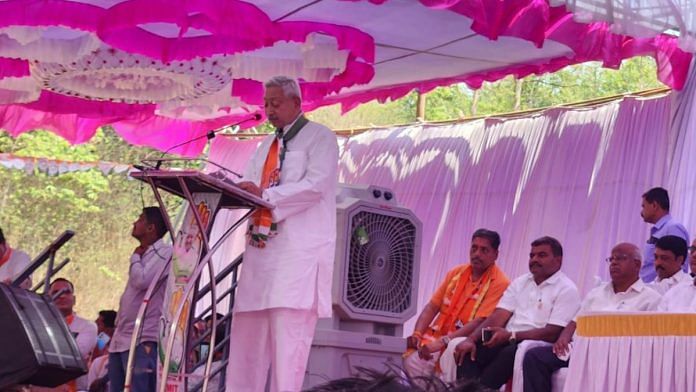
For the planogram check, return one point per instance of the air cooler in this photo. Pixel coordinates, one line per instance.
(375, 285)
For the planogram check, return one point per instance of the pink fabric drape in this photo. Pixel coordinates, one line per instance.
(575, 174)
(85, 39)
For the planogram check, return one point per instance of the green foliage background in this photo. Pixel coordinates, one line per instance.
(34, 209)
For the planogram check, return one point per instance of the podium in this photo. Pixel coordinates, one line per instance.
(206, 195)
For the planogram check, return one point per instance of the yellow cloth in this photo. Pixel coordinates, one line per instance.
(662, 324)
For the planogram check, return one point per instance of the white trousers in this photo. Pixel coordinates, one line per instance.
(278, 338)
(416, 367)
(447, 363)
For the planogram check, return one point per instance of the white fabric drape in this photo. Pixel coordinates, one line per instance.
(639, 18)
(575, 174)
(632, 363)
(682, 175)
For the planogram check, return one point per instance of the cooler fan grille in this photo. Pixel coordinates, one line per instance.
(381, 258)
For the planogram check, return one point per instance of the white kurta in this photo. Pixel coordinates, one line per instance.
(16, 264)
(664, 285)
(679, 299)
(86, 339)
(296, 266)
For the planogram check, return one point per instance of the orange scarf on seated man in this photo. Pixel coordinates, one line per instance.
(454, 302)
(261, 226)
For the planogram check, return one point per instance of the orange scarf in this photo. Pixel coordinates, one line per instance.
(261, 225)
(445, 323)
(6, 256)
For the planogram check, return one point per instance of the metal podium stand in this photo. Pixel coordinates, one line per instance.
(185, 183)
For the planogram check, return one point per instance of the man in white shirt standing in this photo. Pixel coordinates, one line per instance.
(84, 331)
(145, 262)
(670, 254)
(655, 210)
(536, 306)
(12, 263)
(682, 297)
(626, 292)
(285, 282)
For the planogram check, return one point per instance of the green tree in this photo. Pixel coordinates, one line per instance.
(35, 208)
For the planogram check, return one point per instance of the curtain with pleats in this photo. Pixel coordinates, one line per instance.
(574, 174)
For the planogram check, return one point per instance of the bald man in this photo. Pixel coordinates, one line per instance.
(626, 292)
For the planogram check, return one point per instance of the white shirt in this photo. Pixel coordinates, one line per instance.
(295, 269)
(679, 299)
(14, 266)
(98, 369)
(86, 339)
(141, 274)
(663, 285)
(197, 376)
(555, 301)
(638, 297)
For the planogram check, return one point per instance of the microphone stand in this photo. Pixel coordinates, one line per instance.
(209, 135)
(47, 254)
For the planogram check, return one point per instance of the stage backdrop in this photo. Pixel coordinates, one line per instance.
(574, 174)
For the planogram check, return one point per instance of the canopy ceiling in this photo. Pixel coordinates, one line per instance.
(643, 18)
(164, 71)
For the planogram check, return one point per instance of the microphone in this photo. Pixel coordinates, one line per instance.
(209, 135)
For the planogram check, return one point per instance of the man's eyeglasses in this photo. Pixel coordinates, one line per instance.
(618, 258)
(691, 249)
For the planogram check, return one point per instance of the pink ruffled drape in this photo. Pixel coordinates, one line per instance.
(120, 27)
(537, 21)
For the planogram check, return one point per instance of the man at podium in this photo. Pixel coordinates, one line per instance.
(285, 283)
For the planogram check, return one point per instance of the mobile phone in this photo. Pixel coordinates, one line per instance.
(486, 335)
(205, 347)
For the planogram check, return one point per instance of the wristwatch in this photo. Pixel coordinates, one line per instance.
(445, 340)
(513, 338)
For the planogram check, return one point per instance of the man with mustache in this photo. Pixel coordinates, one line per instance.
(682, 297)
(655, 210)
(285, 282)
(625, 293)
(463, 300)
(670, 253)
(84, 331)
(536, 306)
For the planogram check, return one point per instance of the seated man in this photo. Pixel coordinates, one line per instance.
(626, 292)
(198, 373)
(106, 325)
(98, 375)
(536, 306)
(12, 263)
(670, 254)
(84, 331)
(682, 297)
(464, 299)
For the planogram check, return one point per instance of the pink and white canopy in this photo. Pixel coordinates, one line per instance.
(642, 18)
(164, 71)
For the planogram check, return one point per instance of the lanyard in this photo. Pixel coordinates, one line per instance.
(289, 135)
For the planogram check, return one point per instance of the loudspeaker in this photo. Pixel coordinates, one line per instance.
(36, 346)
